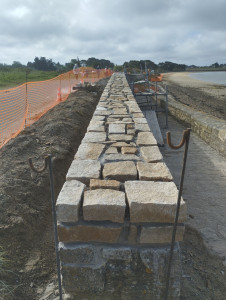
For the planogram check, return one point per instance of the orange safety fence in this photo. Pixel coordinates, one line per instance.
(23, 105)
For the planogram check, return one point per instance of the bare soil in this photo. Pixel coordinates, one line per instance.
(26, 227)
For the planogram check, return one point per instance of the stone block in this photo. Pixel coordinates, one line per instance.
(94, 137)
(151, 201)
(138, 115)
(116, 129)
(89, 233)
(160, 234)
(119, 253)
(121, 171)
(104, 205)
(132, 237)
(76, 253)
(120, 157)
(146, 139)
(142, 127)
(120, 111)
(89, 151)
(121, 144)
(104, 184)
(85, 279)
(129, 150)
(140, 120)
(84, 170)
(69, 201)
(154, 171)
(151, 154)
(120, 137)
(111, 150)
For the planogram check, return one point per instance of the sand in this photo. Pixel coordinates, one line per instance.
(201, 95)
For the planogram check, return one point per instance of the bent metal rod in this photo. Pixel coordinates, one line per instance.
(48, 161)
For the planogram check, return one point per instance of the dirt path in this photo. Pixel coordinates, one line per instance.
(26, 232)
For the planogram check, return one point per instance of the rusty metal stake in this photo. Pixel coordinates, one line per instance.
(48, 161)
(185, 140)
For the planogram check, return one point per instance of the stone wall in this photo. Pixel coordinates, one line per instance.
(211, 129)
(116, 208)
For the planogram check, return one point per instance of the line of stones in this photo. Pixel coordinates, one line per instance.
(118, 189)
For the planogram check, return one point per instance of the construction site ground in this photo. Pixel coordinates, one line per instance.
(26, 227)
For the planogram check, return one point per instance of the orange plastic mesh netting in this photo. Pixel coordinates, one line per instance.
(23, 105)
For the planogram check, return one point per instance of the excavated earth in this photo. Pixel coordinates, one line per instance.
(26, 226)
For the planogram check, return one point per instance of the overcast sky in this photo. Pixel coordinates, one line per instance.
(181, 31)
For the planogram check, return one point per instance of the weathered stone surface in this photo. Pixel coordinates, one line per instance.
(94, 137)
(89, 151)
(129, 150)
(160, 234)
(142, 127)
(104, 184)
(140, 120)
(146, 139)
(121, 144)
(96, 128)
(120, 111)
(76, 254)
(120, 157)
(102, 113)
(122, 253)
(117, 129)
(120, 137)
(69, 201)
(82, 279)
(138, 115)
(104, 205)
(151, 154)
(84, 170)
(121, 171)
(111, 150)
(89, 233)
(155, 172)
(151, 201)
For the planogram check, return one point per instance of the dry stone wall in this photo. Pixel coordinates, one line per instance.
(116, 208)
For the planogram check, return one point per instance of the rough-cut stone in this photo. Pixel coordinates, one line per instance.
(76, 254)
(142, 127)
(160, 234)
(155, 172)
(151, 201)
(102, 113)
(82, 279)
(89, 233)
(146, 139)
(120, 111)
(69, 201)
(121, 171)
(94, 137)
(104, 184)
(151, 154)
(120, 137)
(84, 170)
(89, 151)
(116, 129)
(121, 144)
(140, 120)
(120, 157)
(129, 150)
(111, 150)
(138, 115)
(104, 205)
(96, 128)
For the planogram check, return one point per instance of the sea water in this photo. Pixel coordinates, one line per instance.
(214, 77)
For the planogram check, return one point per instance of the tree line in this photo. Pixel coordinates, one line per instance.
(45, 64)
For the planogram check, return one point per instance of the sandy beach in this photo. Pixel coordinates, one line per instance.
(201, 95)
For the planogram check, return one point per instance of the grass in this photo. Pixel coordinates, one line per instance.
(15, 77)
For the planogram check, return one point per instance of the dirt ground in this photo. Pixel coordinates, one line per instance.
(26, 230)
(203, 96)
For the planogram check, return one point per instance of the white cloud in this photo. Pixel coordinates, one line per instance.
(188, 31)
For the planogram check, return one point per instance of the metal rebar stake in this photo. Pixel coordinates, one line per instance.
(48, 161)
(185, 140)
